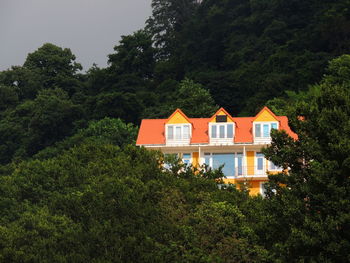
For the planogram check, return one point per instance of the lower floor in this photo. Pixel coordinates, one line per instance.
(239, 163)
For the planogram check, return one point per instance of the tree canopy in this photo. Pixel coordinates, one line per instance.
(74, 188)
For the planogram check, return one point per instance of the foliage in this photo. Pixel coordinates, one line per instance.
(105, 131)
(88, 205)
(312, 200)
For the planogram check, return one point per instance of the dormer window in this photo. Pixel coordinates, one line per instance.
(263, 130)
(178, 131)
(221, 130)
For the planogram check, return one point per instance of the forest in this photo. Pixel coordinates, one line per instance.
(75, 188)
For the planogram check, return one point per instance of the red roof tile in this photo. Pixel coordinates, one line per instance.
(152, 131)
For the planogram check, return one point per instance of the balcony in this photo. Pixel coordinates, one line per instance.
(248, 172)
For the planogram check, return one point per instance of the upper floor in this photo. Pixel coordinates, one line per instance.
(220, 129)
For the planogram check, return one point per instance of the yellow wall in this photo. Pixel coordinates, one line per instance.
(221, 113)
(255, 187)
(250, 162)
(265, 116)
(177, 118)
(195, 159)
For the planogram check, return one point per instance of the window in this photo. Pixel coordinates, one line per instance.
(186, 158)
(186, 131)
(232, 162)
(266, 130)
(213, 131)
(222, 131)
(170, 132)
(257, 130)
(229, 130)
(178, 132)
(263, 130)
(226, 159)
(259, 161)
(239, 164)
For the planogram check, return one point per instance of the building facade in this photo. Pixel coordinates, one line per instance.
(234, 142)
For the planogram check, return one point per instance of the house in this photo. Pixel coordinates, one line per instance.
(234, 142)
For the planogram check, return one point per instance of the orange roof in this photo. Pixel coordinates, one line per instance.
(152, 131)
(244, 129)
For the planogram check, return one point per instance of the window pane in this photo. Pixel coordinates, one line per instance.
(240, 164)
(229, 130)
(222, 131)
(186, 132)
(213, 131)
(226, 159)
(186, 158)
(260, 161)
(266, 130)
(274, 126)
(207, 158)
(170, 132)
(178, 133)
(257, 130)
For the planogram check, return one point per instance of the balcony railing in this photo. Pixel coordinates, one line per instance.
(250, 171)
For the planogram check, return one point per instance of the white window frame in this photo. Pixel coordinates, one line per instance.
(262, 128)
(182, 126)
(218, 124)
(210, 154)
(263, 171)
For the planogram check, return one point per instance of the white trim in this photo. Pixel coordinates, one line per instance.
(262, 139)
(256, 171)
(180, 141)
(224, 140)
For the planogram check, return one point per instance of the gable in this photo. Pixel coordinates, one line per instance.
(265, 115)
(221, 112)
(176, 118)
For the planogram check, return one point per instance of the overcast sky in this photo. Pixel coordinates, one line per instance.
(90, 28)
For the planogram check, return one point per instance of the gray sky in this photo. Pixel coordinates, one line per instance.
(90, 28)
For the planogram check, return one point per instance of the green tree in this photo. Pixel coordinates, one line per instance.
(8, 97)
(168, 18)
(134, 55)
(105, 131)
(191, 97)
(194, 100)
(311, 203)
